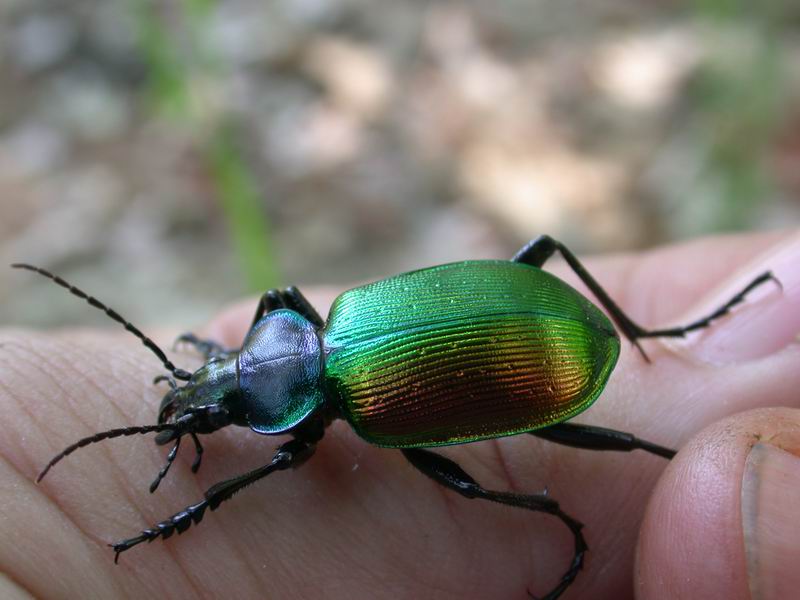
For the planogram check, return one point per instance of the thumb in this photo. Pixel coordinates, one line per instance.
(722, 521)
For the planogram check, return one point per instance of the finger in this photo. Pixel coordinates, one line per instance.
(722, 521)
(46, 401)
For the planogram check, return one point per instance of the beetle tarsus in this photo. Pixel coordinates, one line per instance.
(209, 349)
(539, 250)
(170, 381)
(179, 523)
(723, 310)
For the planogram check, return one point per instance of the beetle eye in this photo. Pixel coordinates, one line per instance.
(167, 408)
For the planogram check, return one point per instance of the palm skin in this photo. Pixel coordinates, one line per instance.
(357, 521)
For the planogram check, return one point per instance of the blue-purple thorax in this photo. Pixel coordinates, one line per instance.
(280, 372)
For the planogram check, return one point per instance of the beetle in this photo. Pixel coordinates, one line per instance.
(449, 354)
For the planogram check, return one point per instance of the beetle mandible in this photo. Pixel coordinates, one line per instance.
(450, 354)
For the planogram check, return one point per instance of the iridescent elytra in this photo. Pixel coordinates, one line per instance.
(450, 354)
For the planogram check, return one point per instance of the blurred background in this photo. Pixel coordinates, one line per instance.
(171, 156)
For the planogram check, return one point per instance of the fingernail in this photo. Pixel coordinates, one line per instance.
(767, 321)
(770, 503)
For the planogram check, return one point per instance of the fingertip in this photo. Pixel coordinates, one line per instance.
(692, 543)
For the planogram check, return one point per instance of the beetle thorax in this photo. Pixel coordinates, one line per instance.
(280, 368)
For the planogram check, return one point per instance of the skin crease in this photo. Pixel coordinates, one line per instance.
(357, 521)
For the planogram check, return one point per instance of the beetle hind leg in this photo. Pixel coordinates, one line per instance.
(447, 473)
(590, 437)
(539, 250)
(723, 310)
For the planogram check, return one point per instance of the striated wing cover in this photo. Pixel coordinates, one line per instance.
(464, 351)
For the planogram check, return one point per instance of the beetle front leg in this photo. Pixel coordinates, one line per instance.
(590, 437)
(447, 473)
(198, 452)
(274, 299)
(539, 250)
(290, 454)
(165, 469)
(208, 348)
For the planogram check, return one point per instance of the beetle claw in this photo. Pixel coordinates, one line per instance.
(170, 381)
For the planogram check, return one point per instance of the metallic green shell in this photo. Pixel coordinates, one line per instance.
(464, 352)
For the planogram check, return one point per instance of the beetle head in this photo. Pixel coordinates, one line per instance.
(207, 402)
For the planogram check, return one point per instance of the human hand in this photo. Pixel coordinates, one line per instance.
(357, 522)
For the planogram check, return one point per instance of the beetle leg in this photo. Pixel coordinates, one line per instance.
(274, 299)
(198, 452)
(590, 437)
(537, 251)
(271, 300)
(290, 298)
(208, 348)
(170, 459)
(170, 381)
(295, 300)
(447, 473)
(290, 454)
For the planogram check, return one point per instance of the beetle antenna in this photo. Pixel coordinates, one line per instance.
(150, 344)
(104, 435)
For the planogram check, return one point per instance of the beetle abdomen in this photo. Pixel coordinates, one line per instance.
(464, 352)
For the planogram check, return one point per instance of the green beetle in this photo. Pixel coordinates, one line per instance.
(446, 355)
